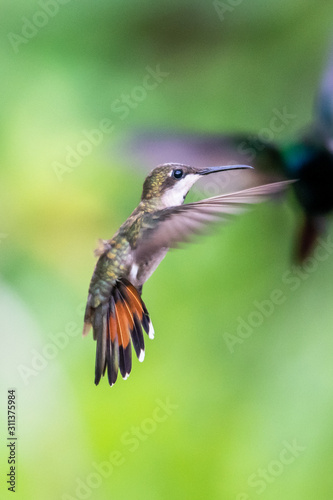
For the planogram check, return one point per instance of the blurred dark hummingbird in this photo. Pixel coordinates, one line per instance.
(114, 308)
(309, 159)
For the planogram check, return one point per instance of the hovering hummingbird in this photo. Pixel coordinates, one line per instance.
(308, 158)
(115, 309)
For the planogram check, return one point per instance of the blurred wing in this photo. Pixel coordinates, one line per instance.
(312, 227)
(169, 227)
(324, 108)
(201, 150)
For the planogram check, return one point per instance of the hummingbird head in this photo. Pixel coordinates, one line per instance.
(170, 183)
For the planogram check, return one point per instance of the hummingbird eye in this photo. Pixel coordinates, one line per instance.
(178, 173)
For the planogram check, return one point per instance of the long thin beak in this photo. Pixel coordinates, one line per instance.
(210, 170)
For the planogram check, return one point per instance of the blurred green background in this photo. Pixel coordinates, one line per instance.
(200, 418)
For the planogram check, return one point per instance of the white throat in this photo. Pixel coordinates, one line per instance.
(176, 195)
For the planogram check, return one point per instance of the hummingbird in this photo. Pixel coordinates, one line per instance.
(308, 157)
(115, 309)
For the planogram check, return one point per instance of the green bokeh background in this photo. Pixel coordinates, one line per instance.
(232, 411)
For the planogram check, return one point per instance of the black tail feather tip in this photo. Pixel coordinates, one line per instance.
(115, 336)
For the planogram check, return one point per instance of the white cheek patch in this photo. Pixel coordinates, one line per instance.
(175, 195)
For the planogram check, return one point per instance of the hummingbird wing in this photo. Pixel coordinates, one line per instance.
(171, 226)
(311, 228)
